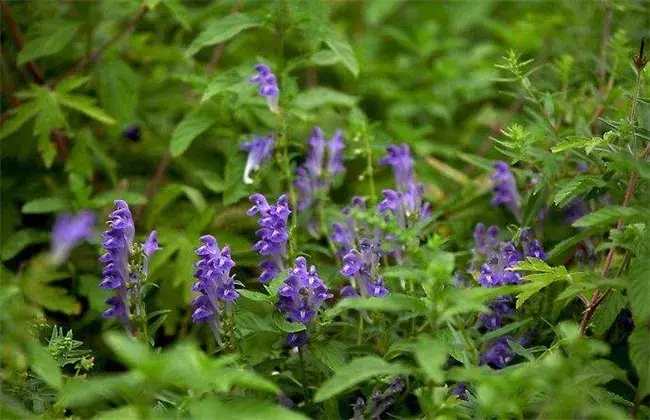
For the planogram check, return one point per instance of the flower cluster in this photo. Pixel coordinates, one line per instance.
(378, 401)
(505, 188)
(499, 354)
(360, 265)
(302, 293)
(259, 151)
(272, 235)
(407, 202)
(314, 176)
(268, 84)
(69, 231)
(214, 282)
(344, 234)
(500, 307)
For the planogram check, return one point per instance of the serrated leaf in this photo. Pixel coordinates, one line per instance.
(194, 124)
(431, 355)
(343, 49)
(321, 96)
(354, 373)
(119, 89)
(394, 302)
(577, 186)
(180, 13)
(609, 215)
(45, 205)
(638, 288)
(71, 83)
(221, 30)
(85, 105)
(639, 351)
(607, 312)
(330, 353)
(47, 38)
(44, 365)
(19, 117)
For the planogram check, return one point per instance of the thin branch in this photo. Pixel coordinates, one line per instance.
(17, 36)
(96, 55)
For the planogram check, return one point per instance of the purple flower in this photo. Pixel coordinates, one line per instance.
(498, 355)
(272, 235)
(214, 282)
(132, 133)
(575, 210)
(297, 339)
(497, 271)
(69, 231)
(460, 391)
(117, 241)
(361, 265)
(532, 247)
(344, 233)
(399, 158)
(259, 151)
(500, 307)
(268, 84)
(150, 247)
(313, 176)
(302, 293)
(505, 188)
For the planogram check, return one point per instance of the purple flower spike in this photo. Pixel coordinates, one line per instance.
(344, 233)
(302, 293)
(497, 271)
(69, 231)
(214, 282)
(399, 158)
(500, 308)
(505, 188)
(273, 234)
(259, 151)
(498, 355)
(532, 247)
(313, 176)
(297, 339)
(118, 242)
(361, 265)
(150, 246)
(268, 84)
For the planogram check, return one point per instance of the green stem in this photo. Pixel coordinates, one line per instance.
(360, 330)
(286, 166)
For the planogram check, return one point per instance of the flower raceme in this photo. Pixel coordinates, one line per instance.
(126, 265)
(68, 232)
(214, 283)
(272, 235)
(268, 84)
(505, 188)
(259, 151)
(361, 266)
(314, 176)
(302, 293)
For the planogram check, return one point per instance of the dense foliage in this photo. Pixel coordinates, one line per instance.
(325, 209)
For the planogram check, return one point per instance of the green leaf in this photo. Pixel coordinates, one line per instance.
(577, 186)
(431, 355)
(343, 49)
(222, 30)
(85, 105)
(107, 198)
(609, 215)
(180, 13)
(19, 117)
(71, 83)
(47, 38)
(325, 58)
(45, 205)
(607, 312)
(129, 350)
(21, 240)
(211, 180)
(330, 353)
(226, 82)
(245, 409)
(119, 89)
(42, 362)
(193, 125)
(354, 373)
(321, 96)
(638, 288)
(640, 357)
(394, 302)
(195, 197)
(566, 244)
(49, 117)
(235, 187)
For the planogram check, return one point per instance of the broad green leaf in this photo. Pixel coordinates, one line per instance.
(222, 30)
(129, 350)
(45, 205)
(49, 118)
(42, 362)
(226, 82)
(47, 37)
(609, 215)
(195, 197)
(321, 96)
(431, 355)
(330, 353)
(71, 83)
(640, 357)
(180, 13)
(354, 373)
(325, 58)
(78, 392)
(638, 288)
(343, 49)
(392, 303)
(235, 188)
(119, 89)
(193, 125)
(85, 105)
(211, 180)
(535, 283)
(21, 240)
(19, 117)
(244, 409)
(607, 312)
